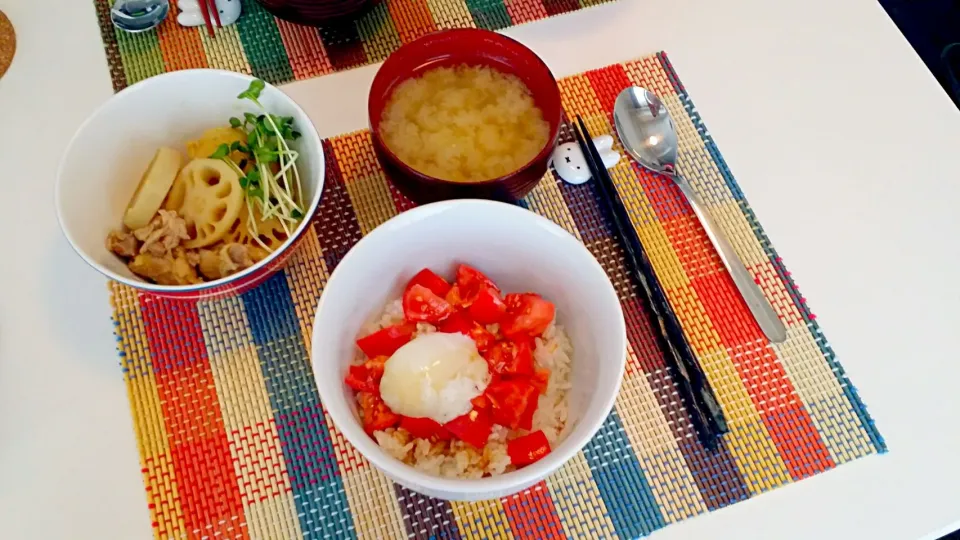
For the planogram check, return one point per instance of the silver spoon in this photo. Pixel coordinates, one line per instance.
(648, 134)
(139, 15)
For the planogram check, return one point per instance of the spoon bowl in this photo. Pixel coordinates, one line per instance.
(136, 16)
(648, 134)
(646, 129)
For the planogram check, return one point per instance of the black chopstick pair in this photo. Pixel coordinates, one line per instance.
(695, 390)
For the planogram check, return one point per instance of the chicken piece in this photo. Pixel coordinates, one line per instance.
(234, 258)
(167, 270)
(209, 264)
(164, 232)
(229, 259)
(183, 272)
(192, 256)
(122, 243)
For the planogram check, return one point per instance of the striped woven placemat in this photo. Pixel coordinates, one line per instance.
(234, 442)
(278, 51)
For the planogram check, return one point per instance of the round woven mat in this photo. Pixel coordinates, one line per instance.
(8, 43)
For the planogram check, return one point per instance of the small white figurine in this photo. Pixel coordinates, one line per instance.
(190, 14)
(571, 165)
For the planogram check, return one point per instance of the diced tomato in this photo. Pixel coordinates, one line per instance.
(528, 449)
(482, 337)
(421, 304)
(374, 413)
(540, 379)
(376, 365)
(453, 297)
(511, 401)
(472, 428)
(511, 358)
(360, 379)
(469, 278)
(470, 282)
(527, 315)
(386, 341)
(461, 323)
(526, 418)
(366, 377)
(428, 279)
(512, 301)
(480, 402)
(487, 307)
(424, 428)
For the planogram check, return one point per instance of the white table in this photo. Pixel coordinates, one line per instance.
(845, 145)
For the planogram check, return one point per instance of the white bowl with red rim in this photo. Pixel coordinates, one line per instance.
(104, 161)
(520, 251)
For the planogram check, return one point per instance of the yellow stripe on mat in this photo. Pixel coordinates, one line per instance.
(263, 522)
(225, 325)
(703, 338)
(749, 442)
(373, 503)
(451, 14)
(148, 422)
(366, 185)
(307, 276)
(648, 73)
(731, 219)
(817, 386)
(158, 473)
(578, 97)
(776, 291)
(159, 476)
(481, 520)
(225, 51)
(663, 256)
(694, 162)
(163, 493)
(372, 201)
(242, 391)
(578, 502)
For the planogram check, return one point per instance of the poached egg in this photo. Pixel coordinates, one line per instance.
(434, 376)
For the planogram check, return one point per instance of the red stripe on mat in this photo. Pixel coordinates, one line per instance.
(305, 50)
(180, 47)
(202, 462)
(607, 84)
(764, 377)
(173, 331)
(412, 19)
(522, 11)
(532, 515)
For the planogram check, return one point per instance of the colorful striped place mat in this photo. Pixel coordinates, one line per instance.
(279, 51)
(234, 441)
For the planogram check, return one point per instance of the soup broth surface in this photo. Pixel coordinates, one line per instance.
(464, 123)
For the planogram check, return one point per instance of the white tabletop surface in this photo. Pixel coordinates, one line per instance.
(845, 145)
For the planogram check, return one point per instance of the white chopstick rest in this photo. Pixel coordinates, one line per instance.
(571, 165)
(190, 14)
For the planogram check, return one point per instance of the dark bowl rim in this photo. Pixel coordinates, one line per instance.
(545, 152)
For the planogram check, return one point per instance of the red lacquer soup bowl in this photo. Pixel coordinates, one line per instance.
(465, 47)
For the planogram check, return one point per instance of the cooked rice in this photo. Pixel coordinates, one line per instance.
(457, 459)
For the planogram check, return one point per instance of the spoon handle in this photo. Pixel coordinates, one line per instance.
(759, 306)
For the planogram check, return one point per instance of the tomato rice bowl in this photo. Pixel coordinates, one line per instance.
(521, 411)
